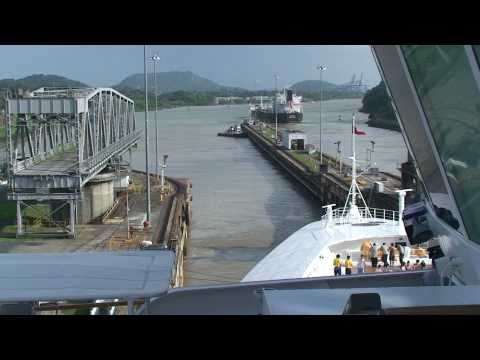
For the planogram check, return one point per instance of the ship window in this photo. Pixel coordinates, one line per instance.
(450, 98)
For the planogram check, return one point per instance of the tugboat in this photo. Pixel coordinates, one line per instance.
(234, 131)
(287, 106)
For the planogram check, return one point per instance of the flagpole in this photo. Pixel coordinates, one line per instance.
(147, 170)
(354, 164)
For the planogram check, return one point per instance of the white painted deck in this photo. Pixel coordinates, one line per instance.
(310, 251)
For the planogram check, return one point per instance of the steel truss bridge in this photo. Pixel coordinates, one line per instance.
(58, 139)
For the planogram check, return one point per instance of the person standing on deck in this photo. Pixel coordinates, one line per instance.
(401, 254)
(337, 266)
(361, 265)
(348, 266)
(391, 252)
(384, 252)
(373, 256)
(416, 266)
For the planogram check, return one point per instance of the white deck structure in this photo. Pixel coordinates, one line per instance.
(310, 251)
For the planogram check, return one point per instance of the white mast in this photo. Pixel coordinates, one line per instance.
(354, 164)
(353, 212)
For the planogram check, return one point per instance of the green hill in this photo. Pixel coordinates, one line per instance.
(376, 103)
(310, 89)
(170, 81)
(313, 86)
(168, 100)
(36, 81)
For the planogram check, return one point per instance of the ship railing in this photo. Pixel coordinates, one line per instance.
(342, 216)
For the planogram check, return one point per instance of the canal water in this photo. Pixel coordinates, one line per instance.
(243, 205)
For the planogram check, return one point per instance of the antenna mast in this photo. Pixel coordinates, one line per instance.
(352, 193)
(354, 164)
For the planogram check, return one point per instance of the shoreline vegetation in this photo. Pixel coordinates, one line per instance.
(203, 98)
(184, 98)
(384, 124)
(376, 103)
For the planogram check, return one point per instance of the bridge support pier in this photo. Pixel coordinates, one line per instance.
(19, 218)
(72, 217)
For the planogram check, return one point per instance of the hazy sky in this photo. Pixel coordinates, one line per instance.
(241, 66)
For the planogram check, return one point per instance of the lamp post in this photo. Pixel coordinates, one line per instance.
(339, 156)
(147, 170)
(371, 151)
(275, 105)
(255, 92)
(128, 220)
(164, 165)
(255, 87)
(155, 58)
(321, 69)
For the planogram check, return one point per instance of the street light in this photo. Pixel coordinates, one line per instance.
(128, 219)
(371, 151)
(147, 171)
(155, 58)
(339, 156)
(255, 87)
(321, 69)
(164, 165)
(275, 106)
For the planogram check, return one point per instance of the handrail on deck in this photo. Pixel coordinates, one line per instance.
(341, 215)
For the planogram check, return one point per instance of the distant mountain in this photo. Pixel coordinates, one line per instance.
(171, 81)
(313, 86)
(36, 81)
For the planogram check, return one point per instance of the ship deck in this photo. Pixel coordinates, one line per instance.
(309, 252)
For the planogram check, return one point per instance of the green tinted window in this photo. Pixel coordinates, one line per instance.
(450, 97)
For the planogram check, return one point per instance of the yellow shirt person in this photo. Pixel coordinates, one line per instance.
(348, 266)
(337, 266)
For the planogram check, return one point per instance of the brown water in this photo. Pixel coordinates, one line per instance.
(243, 205)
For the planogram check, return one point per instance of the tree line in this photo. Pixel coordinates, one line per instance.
(202, 98)
(377, 104)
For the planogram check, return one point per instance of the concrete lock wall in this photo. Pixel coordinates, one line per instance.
(97, 197)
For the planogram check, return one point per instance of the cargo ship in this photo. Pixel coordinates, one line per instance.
(286, 106)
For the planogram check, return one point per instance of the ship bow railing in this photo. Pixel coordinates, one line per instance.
(367, 215)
